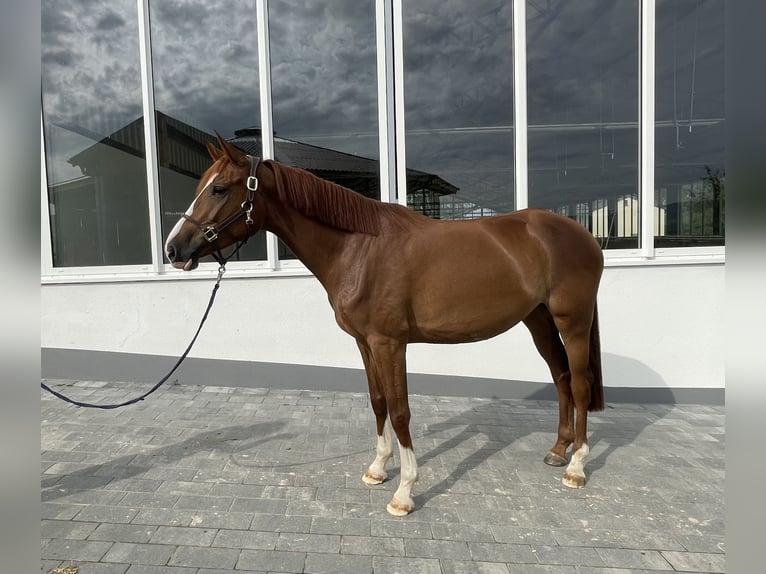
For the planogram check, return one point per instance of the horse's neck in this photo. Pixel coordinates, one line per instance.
(317, 245)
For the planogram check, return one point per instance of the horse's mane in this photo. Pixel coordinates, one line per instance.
(333, 204)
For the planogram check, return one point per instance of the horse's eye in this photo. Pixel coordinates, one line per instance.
(219, 190)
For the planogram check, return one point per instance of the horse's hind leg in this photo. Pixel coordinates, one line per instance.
(376, 473)
(545, 335)
(575, 331)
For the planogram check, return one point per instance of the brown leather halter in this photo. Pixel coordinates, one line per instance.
(211, 231)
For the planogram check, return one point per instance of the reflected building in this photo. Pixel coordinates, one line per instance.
(95, 215)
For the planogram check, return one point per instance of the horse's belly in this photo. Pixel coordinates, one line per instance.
(466, 321)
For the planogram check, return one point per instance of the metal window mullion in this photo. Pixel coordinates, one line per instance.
(267, 121)
(646, 122)
(399, 124)
(46, 236)
(386, 115)
(150, 137)
(520, 157)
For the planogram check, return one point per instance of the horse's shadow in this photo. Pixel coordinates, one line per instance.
(227, 440)
(605, 434)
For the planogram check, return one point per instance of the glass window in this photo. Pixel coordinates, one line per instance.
(324, 91)
(205, 63)
(458, 94)
(94, 134)
(690, 137)
(583, 89)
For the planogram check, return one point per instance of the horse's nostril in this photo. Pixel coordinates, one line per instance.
(170, 251)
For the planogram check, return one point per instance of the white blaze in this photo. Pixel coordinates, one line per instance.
(177, 227)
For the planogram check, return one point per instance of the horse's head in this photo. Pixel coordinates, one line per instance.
(223, 212)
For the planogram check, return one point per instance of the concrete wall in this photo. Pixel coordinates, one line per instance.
(660, 327)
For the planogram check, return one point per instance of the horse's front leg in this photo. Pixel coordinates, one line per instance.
(376, 473)
(387, 359)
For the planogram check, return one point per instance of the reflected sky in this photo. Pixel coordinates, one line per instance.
(458, 93)
(90, 64)
(205, 56)
(324, 73)
(582, 61)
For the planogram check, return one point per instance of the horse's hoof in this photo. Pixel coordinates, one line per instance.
(373, 478)
(573, 480)
(553, 459)
(396, 508)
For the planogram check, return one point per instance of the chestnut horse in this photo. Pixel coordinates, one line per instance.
(395, 277)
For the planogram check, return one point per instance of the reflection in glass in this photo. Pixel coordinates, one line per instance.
(324, 91)
(690, 127)
(458, 93)
(93, 130)
(582, 73)
(205, 80)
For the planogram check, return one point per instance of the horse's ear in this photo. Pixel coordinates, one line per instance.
(214, 152)
(231, 150)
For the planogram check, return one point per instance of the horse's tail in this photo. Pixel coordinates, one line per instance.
(594, 363)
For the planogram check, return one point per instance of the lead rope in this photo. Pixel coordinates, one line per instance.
(246, 209)
(221, 271)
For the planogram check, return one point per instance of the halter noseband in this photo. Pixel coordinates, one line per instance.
(211, 231)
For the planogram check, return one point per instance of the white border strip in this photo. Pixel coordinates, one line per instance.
(386, 115)
(646, 123)
(150, 139)
(267, 119)
(520, 160)
(399, 127)
(46, 248)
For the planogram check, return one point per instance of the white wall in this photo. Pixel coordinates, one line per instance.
(660, 326)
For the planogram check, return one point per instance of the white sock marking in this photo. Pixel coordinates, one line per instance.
(403, 494)
(383, 452)
(579, 458)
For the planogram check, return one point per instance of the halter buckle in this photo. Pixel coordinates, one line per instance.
(247, 207)
(252, 183)
(210, 233)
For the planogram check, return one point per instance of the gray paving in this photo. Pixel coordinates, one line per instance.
(214, 479)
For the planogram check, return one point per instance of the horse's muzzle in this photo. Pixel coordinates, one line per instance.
(178, 260)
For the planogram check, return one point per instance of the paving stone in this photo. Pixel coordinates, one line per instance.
(123, 532)
(226, 520)
(246, 539)
(351, 526)
(76, 550)
(297, 542)
(444, 549)
(148, 569)
(696, 561)
(182, 536)
(163, 516)
(70, 529)
(100, 568)
(337, 564)
(392, 565)
(132, 553)
(466, 567)
(266, 522)
(372, 545)
(489, 552)
(272, 561)
(204, 557)
(401, 528)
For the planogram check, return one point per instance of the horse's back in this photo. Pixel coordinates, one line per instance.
(567, 246)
